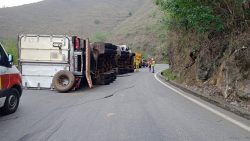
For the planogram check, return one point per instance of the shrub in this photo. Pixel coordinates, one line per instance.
(204, 15)
(169, 75)
(130, 14)
(97, 22)
(99, 37)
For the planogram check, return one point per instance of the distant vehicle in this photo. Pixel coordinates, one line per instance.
(138, 57)
(10, 84)
(144, 63)
(126, 60)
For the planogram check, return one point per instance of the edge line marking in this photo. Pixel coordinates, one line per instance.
(238, 123)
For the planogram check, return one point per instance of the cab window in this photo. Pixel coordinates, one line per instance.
(3, 58)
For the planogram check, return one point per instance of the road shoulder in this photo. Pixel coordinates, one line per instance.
(174, 86)
(222, 104)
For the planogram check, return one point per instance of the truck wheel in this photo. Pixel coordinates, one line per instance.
(63, 81)
(11, 102)
(106, 81)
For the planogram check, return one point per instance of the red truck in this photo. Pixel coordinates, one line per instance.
(10, 84)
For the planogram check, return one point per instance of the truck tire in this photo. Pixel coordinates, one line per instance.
(63, 81)
(106, 81)
(11, 102)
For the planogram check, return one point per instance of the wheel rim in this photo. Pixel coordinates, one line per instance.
(63, 81)
(12, 102)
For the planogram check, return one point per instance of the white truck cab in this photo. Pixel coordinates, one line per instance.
(10, 84)
(125, 48)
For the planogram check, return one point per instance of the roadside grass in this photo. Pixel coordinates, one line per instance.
(99, 37)
(169, 75)
(10, 46)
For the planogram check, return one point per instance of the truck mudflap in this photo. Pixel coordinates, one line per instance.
(87, 71)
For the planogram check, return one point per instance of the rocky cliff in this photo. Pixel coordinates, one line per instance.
(217, 65)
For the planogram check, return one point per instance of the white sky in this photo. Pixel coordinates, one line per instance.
(10, 3)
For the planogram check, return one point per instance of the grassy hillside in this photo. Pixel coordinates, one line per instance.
(85, 18)
(136, 23)
(142, 31)
(78, 17)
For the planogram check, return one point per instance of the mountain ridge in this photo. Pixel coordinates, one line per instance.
(72, 17)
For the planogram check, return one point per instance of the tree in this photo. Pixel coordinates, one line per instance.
(206, 15)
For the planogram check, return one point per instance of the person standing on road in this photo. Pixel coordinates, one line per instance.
(153, 65)
(149, 65)
(137, 65)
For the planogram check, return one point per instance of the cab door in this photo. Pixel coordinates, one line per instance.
(4, 67)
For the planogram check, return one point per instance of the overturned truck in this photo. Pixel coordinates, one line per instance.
(104, 62)
(126, 60)
(65, 63)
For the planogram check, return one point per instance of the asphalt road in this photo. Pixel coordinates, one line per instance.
(136, 107)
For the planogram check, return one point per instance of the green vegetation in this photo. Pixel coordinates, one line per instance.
(200, 24)
(144, 55)
(206, 16)
(97, 21)
(130, 14)
(99, 37)
(169, 75)
(204, 39)
(11, 47)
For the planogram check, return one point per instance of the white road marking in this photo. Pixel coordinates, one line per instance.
(238, 123)
(110, 114)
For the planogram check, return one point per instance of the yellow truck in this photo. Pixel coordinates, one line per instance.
(138, 59)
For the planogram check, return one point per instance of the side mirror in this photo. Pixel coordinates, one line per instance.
(10, 58)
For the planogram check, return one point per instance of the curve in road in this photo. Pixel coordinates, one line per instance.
(136, 107)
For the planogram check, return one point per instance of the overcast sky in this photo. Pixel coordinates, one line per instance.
(10, 3)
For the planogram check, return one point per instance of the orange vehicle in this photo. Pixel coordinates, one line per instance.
(138, 58)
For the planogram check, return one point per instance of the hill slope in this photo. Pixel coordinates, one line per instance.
(78, 17)
(134, 22)
(142, 31)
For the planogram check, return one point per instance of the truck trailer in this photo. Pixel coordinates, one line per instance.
(64, 62)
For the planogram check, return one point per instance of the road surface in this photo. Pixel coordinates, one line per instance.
(136, 107)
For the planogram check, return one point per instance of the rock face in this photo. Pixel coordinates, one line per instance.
(237, 73)
(204, 66)
(209, 59)
(222, 62)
